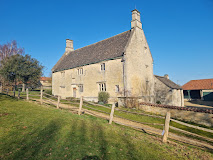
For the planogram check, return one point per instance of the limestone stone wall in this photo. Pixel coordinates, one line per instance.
(138, 66)
(65, 83)
(190, 116)
(167, 95)
(177, 97)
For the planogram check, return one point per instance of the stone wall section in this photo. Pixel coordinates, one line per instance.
(65, 82)
(190, 116)
(138, 69)
(167, 95)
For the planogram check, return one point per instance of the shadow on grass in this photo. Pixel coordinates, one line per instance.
(4, 97)
(91, 158)
(32, 147)
(102, 141)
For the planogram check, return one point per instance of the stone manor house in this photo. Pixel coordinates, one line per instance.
(121, 65)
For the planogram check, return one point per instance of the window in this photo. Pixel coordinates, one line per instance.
(103, 66)
(102, 87)
(81, 89)
(62, 74)
(116, 88)
(80, 71)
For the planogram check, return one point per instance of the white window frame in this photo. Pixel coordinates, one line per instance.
(102, 87)
(103, 67)
(80, 71)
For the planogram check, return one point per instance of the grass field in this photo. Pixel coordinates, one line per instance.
(147, 119)
(31, 131)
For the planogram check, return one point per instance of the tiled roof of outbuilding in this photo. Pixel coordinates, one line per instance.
(168, 82)
(106, 49)
(198, 84)
(45, 78)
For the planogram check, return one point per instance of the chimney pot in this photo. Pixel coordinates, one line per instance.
(166, 76)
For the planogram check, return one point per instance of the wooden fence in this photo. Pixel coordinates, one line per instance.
(80, 106)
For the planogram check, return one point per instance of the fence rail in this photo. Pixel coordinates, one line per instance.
(45, 98)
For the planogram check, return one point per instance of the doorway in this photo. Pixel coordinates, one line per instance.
(74, 92)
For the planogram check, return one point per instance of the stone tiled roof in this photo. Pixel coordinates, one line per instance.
(106, 49)
(198, 84)
(168, 82)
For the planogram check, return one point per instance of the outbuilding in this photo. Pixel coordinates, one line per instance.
(199, 89)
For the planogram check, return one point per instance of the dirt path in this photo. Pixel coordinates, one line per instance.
(135, 125)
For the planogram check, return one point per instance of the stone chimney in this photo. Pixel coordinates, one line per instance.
(69, 46)
(136, 22)
(166, 76)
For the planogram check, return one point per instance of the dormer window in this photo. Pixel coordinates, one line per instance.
(80, 71)
(103, 66)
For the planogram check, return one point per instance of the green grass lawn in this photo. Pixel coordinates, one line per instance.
(31, 131)
(147, 119)
(140, 118)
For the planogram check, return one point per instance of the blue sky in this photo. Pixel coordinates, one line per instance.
(179, 32)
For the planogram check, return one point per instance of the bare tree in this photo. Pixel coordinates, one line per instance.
(9, 49)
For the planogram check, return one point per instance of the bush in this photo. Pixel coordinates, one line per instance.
(103, 97)
(158, 102)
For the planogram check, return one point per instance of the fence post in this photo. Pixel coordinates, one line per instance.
(58, 102)
(7, 91)
(27, 91)
(18, 94)
(80, 106)
(166, 127)
(14, 92)
(111, 114)
(41, 95)
(1, 91)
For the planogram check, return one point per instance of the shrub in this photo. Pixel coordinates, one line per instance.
(158, 102)
(131, 102)
(103, 97)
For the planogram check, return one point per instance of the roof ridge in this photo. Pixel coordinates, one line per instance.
(101, 41)
(201, 79)
(158, 76)
(168, 82)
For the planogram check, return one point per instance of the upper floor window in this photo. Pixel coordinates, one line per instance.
(80, 71)
(102, 87)
(62, 74)
(103, 66)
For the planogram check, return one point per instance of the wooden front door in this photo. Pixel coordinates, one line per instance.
(74, 92)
